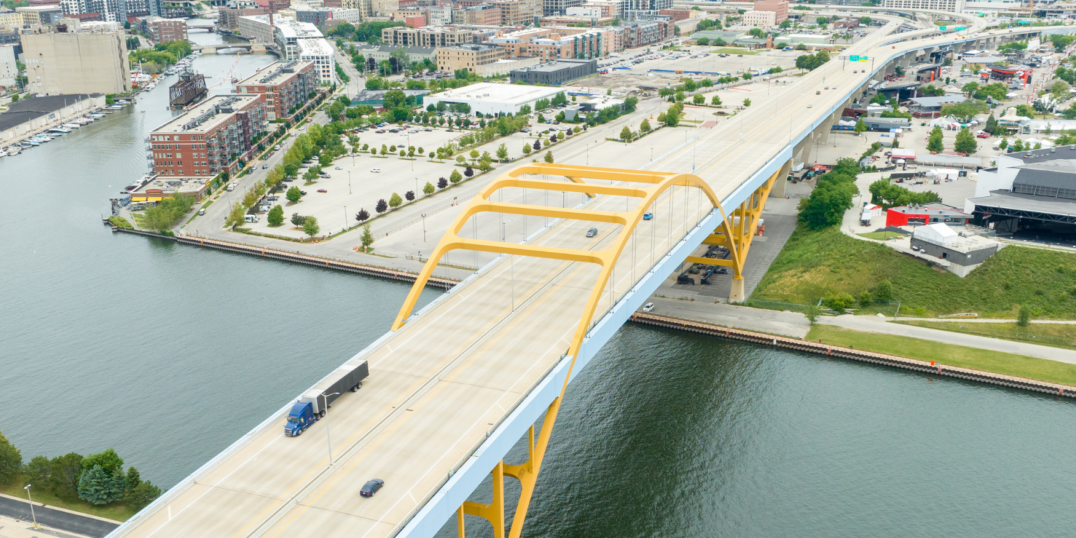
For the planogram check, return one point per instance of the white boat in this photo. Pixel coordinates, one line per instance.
(3, 153)
(14, 150)
(96, 116)
(59, 130)
(71, 125)
(41, 139)
(115, 107)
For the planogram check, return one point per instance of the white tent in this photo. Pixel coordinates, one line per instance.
(936, 234)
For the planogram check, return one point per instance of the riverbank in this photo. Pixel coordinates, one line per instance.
(952, 361)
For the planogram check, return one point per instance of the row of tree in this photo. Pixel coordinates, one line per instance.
(965, 142)
(831, 197)
(98, 478)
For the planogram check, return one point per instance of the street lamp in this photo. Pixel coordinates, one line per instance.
(32, 514)
(423, 227)
(327, 438)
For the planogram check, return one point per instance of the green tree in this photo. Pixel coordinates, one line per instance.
(367, 238)
(1060, 90)
(991, 124)
(883, 292)
(548, 157)
(526, 149)
(276, 216)
(698, 99)
(94, 486)
(502, 152)
(715, 100)
(865, 299)
(142, 494)
(293, 195)
(746, 102)
(1023, 318)
(395, 201)
(428, 189)
(860, 127)
(626, 134)
(117, 485)
(970, 88)
(133, 480)
(455, 177)
(644, 127)
(10, 460)
(310, 226)
(108, 460)
(297, 219)
(934, 141)
(64, 474)
(1004, 143)
(965, 142)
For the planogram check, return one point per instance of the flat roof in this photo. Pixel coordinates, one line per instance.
(503, 93)
(1026, 202)
(171, 185)
(319, 47)
(938, 101)
(558, 65)
(35, 107)
(274, 73)
(208, 112)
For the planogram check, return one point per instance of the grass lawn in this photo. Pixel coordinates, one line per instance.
(820, 263)
(948, 354)
(1045, 334)
(881, 236)
(116, 512)
(727, 50)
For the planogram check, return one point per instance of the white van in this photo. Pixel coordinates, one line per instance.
(251, 218)
(231, 188)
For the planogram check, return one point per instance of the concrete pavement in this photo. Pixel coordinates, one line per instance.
(791, 324)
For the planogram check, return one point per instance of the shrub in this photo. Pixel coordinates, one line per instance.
(883, 292)
(838, 302)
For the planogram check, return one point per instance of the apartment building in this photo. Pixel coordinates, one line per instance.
(559, 7)
(229, 16)
(482, 14)
(10, 21)
(40, 15)
(160, 29)
(518, 12)
(286, 85)
(63, 63)
(778, 7)
(429, 37)
(643, 33)
(760, 19)
(469, 57)
(209, 138)
(548, 44)
(320, 52)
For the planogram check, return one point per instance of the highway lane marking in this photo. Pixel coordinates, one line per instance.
(210, 488)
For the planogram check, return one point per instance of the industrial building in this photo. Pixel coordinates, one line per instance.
(1029, 194)
(555, 73)
(9, 69)
(36, 113)
(490, 98)
(64, 63)
(209, 138)
(960, 254)
(921, 215)
(287, 86)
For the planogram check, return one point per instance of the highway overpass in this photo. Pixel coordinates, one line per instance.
(454, 386)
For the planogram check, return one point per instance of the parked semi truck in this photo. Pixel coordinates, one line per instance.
(314, 403)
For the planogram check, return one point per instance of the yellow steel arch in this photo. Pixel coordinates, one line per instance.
(659, 182)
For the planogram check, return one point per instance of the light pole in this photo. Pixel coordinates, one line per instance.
(423, 227)
(327, 438)
(32, 514)
(349, 181)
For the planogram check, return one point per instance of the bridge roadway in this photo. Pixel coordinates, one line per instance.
(444, 381)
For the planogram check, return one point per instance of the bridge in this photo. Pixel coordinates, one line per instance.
(252, 48)
(202, 25)
(454, 386)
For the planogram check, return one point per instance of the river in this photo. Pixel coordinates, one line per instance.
(169, 353)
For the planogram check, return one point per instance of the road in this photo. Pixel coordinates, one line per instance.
(448, 376)
(55, 519)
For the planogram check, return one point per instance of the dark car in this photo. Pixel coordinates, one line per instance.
(371, 487)
(592, 232)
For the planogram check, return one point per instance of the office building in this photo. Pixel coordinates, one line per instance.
(760, 19)
(209, 138)
(778, 7)
(952, 6)
(287, 86)
(482, 15)
(554, 73)
(43, 15)
(518, 12)
(59, 63)
(10, 21)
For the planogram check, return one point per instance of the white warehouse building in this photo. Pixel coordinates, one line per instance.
(489, 98)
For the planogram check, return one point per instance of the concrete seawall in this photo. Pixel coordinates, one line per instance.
(292, 257)
(926, 367)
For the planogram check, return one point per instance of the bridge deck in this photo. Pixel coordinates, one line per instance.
(444, 380)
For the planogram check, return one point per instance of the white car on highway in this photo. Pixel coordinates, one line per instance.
(375, 170)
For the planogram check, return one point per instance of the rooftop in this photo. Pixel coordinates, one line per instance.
(34, 107)
(274, 73)
(941, 100)
(314, 47)
(556, 65)
(1025, 202)
(928, 209)
(207, 115)
(390, 48)
(505, 93)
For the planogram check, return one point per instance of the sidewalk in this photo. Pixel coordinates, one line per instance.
(791, 324)
(51, 518)
(878, 325)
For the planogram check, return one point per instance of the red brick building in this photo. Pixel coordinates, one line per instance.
(286, 86)
(209, 138)
(161, 30)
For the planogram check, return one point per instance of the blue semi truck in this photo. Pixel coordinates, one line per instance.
(314, 403)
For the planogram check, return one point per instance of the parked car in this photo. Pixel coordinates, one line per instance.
(322, 190)
(371, 487)
(592, 232)
(338, 168)
(648, 307)
(302, 193)
(265, 167)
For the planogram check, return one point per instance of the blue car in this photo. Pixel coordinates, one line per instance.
(648, 215)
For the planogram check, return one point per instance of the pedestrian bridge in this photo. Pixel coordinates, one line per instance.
(457, 384)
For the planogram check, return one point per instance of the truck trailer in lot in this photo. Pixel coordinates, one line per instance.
(314, 403)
